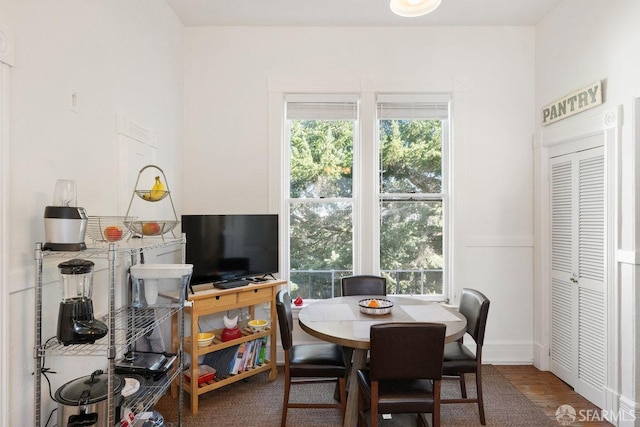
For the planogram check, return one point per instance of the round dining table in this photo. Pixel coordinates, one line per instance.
(340, 321)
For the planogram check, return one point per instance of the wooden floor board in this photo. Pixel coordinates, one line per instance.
(548, 392)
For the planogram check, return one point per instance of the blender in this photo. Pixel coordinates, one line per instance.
(65, 224)
(76, 324)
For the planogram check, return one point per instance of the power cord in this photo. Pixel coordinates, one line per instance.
(44, 370)
(49, 419)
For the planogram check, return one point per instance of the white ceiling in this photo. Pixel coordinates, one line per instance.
(357, 13)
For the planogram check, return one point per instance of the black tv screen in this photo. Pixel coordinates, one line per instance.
(230, 247)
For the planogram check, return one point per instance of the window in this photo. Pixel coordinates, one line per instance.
(329, 194)
(412, 192)
(320, 192)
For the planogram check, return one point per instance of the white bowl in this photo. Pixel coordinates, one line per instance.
(258, 325)
(375, 306)
(205, 339)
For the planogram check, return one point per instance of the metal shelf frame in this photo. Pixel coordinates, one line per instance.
(126, 324)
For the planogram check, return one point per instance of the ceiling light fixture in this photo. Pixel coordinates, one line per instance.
(412, 8)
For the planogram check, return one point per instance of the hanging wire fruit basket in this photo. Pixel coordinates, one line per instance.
(151, 227)
(152, 195)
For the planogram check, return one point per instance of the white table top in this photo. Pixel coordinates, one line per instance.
(340, 321)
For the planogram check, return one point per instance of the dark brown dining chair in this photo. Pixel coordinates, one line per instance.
(308, 363)
(405, 372)
(458, 359)
(363, 285)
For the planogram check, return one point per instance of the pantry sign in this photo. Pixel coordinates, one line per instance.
(572, 103)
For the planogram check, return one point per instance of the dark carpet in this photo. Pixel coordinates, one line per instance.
(257, 402)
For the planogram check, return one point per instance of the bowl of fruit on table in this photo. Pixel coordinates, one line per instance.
(375, 306)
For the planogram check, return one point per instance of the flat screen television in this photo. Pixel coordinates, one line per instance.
(231, 247)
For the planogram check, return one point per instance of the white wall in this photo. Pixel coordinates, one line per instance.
(121, 57)
(227, 152)
(583, 41)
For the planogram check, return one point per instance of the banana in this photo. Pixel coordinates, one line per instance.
(157, 191)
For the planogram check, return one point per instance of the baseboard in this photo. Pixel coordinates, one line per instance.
(541, 356)
(628, 414)
(507, 353)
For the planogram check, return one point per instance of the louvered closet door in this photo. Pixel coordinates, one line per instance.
(578, 271)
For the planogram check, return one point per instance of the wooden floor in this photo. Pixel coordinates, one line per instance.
(548, 392)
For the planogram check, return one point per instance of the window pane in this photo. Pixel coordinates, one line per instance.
(411, 156)
(321, 158)
(316, 284)
(411, 254)
(321, 247)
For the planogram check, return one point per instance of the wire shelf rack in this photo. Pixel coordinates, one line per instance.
(132, 323)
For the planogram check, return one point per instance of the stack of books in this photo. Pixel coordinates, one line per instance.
(250, 354)
(240, 358)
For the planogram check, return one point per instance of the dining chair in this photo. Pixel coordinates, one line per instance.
(363, 285)
(404, 372)
(458, 359)
(308, 363)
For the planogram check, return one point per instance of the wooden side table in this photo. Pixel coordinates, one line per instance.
(208, 300)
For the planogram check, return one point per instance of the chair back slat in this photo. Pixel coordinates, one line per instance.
(363, 285)
(407, 351)
(285, 318)
(475, 307)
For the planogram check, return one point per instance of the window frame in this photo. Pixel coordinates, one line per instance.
(366, 207)
(445, 190)
(287, 200)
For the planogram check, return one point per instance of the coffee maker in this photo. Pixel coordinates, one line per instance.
(76, 324)
(65, 224)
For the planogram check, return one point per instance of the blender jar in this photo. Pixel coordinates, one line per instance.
(76, 278)
(64, 193)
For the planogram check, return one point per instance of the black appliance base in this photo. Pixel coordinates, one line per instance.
(66, 247)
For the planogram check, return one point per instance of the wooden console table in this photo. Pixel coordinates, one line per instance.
(208, 300)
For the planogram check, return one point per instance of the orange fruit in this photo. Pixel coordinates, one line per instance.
(373, 303)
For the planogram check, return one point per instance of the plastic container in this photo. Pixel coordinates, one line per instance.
(205, 374)
(145, 280)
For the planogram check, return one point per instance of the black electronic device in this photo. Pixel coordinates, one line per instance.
(148, 364)
(230, 284)
(226, 248)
